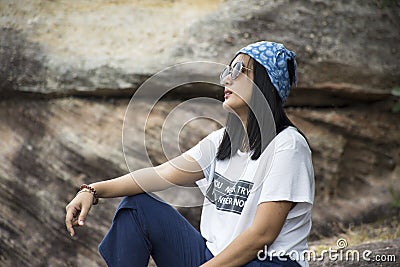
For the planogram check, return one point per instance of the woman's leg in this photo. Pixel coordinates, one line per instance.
(274, 262)
(143, 226)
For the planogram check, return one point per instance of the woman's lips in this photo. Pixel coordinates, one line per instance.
(227, 93)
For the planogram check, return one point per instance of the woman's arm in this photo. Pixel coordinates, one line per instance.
(181, 170)
(268, 222)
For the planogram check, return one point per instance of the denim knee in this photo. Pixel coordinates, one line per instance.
(136, 201)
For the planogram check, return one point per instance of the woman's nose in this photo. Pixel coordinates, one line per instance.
(227, 80)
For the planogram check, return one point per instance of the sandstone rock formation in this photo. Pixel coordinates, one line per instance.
(97, 47)
(48, 149)
(64, 47)
(62, 61)
(375, 254)
(52, 146)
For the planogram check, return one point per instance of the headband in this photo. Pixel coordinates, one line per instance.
(273, 57)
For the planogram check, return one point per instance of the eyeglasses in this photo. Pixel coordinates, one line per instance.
(234, 71)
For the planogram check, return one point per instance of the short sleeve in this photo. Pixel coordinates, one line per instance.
(291, 177)
(205, 151)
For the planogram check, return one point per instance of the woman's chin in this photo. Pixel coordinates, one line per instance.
(227, 106)
(230, 106)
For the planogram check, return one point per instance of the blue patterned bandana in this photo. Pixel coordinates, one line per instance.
(273, 57)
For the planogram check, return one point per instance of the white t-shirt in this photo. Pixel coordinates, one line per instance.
(234, 187)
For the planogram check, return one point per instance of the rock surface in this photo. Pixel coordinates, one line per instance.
(103, 48)
(381, 253)
(52, 146)
(52, 142)
(49, 149)
(64, 47)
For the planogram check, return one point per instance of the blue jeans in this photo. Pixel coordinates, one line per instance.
(144, 226)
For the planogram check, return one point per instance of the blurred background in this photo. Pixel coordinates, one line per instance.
(69, 68)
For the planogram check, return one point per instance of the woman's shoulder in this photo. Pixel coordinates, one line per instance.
(290, 138)
(216, 135)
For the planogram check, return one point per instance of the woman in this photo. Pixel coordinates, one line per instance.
(256, 174)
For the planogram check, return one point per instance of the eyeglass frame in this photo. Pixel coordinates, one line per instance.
(233, 77)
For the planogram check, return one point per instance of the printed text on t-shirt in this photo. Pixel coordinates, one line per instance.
(228, 195)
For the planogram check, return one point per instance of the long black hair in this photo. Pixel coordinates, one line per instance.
(257, 121)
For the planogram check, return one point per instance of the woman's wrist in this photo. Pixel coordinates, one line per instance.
(85, 191)
(98, 190)
(89, 189)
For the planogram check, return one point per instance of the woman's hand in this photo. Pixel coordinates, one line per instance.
(77, 210)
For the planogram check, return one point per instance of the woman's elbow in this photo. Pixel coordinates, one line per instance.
(263, 237)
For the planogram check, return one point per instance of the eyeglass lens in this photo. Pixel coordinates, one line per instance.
(237, 68)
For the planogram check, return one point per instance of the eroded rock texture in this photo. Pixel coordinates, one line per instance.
(53, 139)
(97, 47)
(52, 146)
(381, 253)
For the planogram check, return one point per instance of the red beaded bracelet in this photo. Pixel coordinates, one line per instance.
(92, 190)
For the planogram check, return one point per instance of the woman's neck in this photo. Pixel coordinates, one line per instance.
(244, 147)
(243, 114)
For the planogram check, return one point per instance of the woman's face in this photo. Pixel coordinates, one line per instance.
(237, 92)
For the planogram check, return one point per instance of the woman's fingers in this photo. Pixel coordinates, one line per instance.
(69, 219)
(77, 212)
(82, 215)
